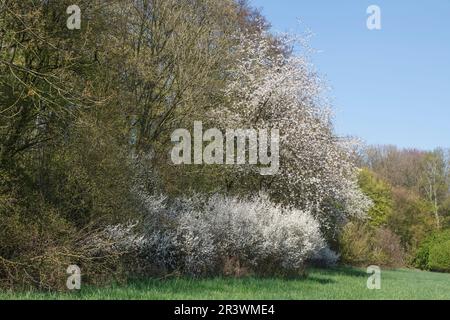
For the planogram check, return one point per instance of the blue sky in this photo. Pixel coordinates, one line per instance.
(389, 86)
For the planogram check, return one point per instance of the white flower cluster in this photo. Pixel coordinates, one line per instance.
(198, 236)
(280, 91)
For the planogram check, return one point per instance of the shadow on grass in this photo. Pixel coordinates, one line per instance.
(319, 280)
(346, 271)
(319, 276)
(316, 275)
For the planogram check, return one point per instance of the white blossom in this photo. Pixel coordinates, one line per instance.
(199, 237)
(281, 91)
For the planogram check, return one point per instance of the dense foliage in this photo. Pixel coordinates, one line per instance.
(434, 252)
(410, 190)
(86, 118)
(85, 123)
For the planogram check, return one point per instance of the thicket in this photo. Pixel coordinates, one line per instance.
(85, 123)
(434, 252)
(410, 190)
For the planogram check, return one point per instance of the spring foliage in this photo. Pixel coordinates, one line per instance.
(434, 252)
(86, 116)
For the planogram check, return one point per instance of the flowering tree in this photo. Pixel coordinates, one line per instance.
(271, 89)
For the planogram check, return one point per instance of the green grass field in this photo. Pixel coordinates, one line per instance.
(341, 283)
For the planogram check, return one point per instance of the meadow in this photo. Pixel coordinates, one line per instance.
(320, 284)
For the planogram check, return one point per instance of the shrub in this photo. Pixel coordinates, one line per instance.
(355, 244)
(434, 252)
(439, 259)
(224, 235)
(37, 256)
(387, 248)
(362, 245)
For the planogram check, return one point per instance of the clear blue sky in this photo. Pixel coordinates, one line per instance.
(390, 86)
